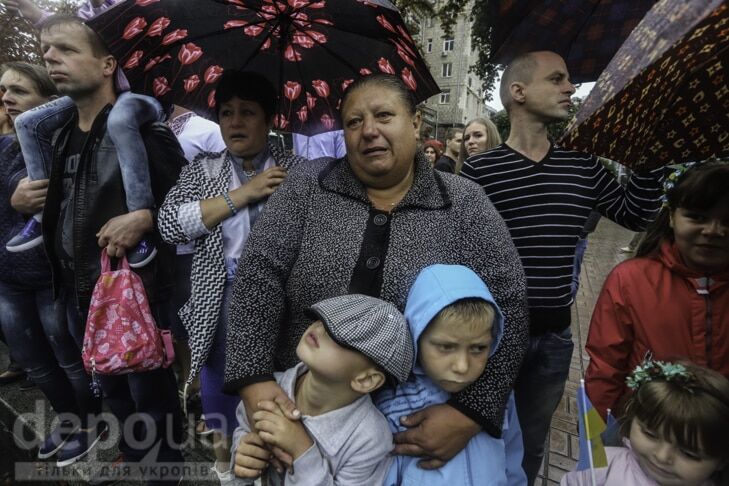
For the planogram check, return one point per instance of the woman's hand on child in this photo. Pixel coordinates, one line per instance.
(436, 433)
(277, 430)
(251, 456)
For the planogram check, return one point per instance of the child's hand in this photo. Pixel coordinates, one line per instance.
(251, 456)
(275, 429)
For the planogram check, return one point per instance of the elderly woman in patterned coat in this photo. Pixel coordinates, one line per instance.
(215, 203)
(368, 223)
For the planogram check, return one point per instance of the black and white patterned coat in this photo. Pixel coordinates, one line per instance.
(304, 248)
(207, 176)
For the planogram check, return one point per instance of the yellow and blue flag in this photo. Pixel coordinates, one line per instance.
(591, 425)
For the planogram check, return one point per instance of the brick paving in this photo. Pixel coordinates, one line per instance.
(601, 256)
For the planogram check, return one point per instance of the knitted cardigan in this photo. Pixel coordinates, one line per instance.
(304, 248)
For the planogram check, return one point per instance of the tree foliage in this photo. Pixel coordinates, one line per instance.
(18, 39)
(447, 12)
(555, 129)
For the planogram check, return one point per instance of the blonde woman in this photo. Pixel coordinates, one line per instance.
(479, 136)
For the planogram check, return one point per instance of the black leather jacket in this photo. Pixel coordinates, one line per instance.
(99, 195)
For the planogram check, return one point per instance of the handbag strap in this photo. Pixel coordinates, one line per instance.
(121, 264)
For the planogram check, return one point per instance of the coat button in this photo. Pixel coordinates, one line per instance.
(373, 262)
(380, 219)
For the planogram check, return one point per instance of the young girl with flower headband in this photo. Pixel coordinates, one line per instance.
(672, 300)
(675, 429)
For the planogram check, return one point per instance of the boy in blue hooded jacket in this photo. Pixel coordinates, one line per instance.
(456, 325)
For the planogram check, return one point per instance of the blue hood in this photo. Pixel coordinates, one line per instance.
(437, 287)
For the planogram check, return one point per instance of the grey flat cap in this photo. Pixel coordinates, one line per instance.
(371, 326)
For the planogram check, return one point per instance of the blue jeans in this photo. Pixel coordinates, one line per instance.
(145, 404)
(37, 333)
(35, 128)
(538, 390)
(577, 269)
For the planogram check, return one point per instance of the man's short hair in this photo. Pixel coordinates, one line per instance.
(98, 48)
(451, 132)
(521, 69)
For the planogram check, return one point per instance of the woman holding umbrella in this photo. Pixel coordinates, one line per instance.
(215, 203)
(368, 223)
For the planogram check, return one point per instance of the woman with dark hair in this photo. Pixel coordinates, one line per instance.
(432, 150)
(672, 300)
(369, 223)
(215, 203)
(35, 325)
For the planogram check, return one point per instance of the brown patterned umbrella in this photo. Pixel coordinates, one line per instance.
(663, 99)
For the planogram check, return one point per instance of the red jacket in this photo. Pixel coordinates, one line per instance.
(655, 304)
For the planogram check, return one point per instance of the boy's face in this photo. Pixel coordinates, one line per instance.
(328, 359)
(454, 353)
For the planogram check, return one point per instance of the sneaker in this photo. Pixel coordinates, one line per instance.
(627, 249)
(142, 254)
(28, 238)
(56, 439)
(80, 443)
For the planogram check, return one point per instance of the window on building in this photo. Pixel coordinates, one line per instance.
(445, 96)
(448, 44)
(429, 22)
(469, 81)
(446, 69)
(429, 45)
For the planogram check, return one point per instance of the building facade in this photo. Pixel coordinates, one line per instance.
(449, 58)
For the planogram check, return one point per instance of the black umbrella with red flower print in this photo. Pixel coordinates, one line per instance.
(310, 49)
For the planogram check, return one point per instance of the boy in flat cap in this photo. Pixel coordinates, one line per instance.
(353, 347)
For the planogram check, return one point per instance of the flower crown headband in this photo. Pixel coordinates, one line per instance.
(650, 370)
(669, 182)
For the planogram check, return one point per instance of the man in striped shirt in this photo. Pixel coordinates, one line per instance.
(545, 194)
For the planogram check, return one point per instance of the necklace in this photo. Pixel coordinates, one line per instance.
(250, 173)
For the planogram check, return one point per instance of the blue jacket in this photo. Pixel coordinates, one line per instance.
(485, 460)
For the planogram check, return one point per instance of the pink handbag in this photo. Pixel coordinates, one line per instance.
(121, 335)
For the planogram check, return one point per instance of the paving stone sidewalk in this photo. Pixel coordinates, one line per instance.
(603, 253)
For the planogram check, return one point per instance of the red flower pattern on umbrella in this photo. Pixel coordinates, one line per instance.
(297, 30)
(385, 66)
(155, 30)
(303, 114)
(212, 74)
(327, 121)
(174, 36)
(383, 22)
(234, 24)
(292, 54)
(189, 53)
(156, 60)
(321, 87)
(191, 83)
(292, 90)
(409, 79)
(134, 28)
(160, 86)
(133, 60)
(280, 122)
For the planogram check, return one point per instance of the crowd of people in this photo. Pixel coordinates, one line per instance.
(372, 310)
